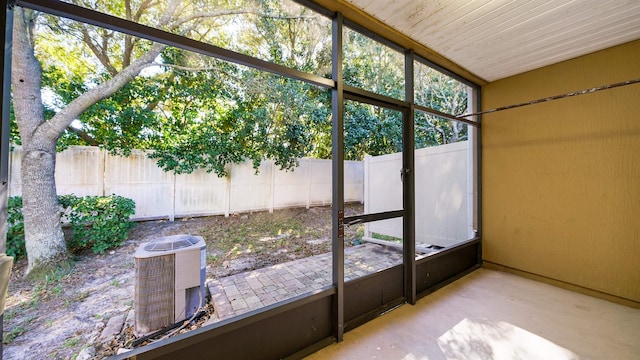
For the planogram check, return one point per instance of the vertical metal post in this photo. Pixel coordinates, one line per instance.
(5, 92)
(408, 185)
(337, 156)
(472, 203)
(478, 175)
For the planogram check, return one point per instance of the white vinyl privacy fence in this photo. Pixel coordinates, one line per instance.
(444, 192)
(443, 197)
(85, 171)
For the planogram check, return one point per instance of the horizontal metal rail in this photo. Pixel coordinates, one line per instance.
(92, 17)
(557, 97)
(358, 219)
(366, 96)
(445, 115)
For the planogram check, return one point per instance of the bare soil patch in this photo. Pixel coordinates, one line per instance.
(63, 315)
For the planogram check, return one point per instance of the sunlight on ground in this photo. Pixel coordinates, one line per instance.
(487, 339)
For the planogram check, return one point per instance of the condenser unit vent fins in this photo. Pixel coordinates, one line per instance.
(154, 293)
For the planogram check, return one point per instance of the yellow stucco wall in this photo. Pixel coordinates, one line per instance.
(561, 180)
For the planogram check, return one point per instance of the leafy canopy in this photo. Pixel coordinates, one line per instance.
(195, 112)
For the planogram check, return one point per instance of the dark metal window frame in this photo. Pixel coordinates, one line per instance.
(307, 310)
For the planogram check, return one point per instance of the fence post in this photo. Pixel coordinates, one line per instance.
(365, 197)
(309, 164)
(102, 154)
(227, 194)
(272, 185)
(172, 216)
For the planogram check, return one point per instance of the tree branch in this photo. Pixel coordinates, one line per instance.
(59, 122)
(53, 128)
(83, 135)
(102, 57)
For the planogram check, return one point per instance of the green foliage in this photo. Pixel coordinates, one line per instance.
(15, 228)
(370, 65)
(194, 112)
(371, 130)
(231, 114)
(97, 222)
(386, 237)
(10, 335)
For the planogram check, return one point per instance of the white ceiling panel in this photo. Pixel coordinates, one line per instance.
(494, 39)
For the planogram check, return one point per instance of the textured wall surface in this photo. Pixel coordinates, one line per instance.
(561, 179)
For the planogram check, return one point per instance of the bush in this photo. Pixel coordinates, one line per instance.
(15, 228)
(98, 223)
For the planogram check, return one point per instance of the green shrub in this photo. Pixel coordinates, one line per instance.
(98, 223)
(15, 228)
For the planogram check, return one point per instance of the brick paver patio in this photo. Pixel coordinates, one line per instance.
(241, 293)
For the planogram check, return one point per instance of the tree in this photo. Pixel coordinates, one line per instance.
(118, 60)
(442, 93)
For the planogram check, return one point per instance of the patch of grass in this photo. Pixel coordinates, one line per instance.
(115, 282)
(253, 234)
(49, 282)
(58, 274)
(212, 258)
(30, 319)
(34, 303)
(10, 314)
(71, 342)
(386, 237)
(8, 337)
(53, 271)
(56, 290)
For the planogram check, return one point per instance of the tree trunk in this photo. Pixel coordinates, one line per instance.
(43, 231)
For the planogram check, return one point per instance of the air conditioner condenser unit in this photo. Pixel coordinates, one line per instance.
(169, 281)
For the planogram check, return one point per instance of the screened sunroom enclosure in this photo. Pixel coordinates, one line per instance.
(404, 96)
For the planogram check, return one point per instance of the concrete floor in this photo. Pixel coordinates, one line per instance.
(495, 315)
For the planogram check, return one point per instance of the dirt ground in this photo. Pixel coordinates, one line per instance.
(64, 315)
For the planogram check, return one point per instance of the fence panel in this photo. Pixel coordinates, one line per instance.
(441, 183)
(85, 170)
(320, 182)
(353, 180)
(291, 188)
(79, 171)
(200, 194)
(137, 177)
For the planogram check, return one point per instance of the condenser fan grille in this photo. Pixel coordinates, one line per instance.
(171, 243)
